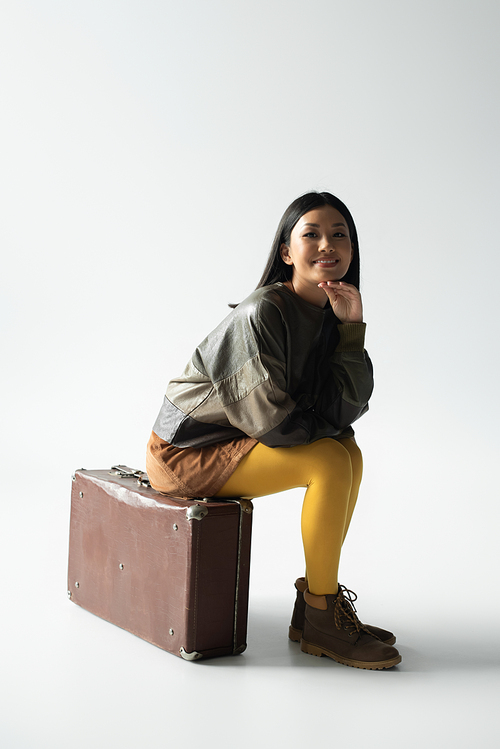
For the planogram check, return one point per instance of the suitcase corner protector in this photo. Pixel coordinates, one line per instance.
(194, 656)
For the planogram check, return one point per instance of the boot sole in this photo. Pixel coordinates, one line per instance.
(295, 635)
(308, 647)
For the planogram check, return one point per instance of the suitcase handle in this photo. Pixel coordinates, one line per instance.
(124, 472)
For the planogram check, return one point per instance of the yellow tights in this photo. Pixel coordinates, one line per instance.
(331, 470)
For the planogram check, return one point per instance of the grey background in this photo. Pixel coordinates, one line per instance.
(148, 150)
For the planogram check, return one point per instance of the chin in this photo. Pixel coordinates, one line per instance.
(335, 277)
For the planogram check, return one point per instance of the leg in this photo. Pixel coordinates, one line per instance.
(325, 468)
(357, 473)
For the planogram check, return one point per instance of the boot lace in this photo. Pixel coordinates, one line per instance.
(345, 613)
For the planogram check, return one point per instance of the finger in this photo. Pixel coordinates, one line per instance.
(338, 286)
(343, 284)
(345, 293)
(331, 293)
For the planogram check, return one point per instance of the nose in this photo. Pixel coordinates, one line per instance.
(325, 245)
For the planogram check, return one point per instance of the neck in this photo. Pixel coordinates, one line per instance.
(311, 294)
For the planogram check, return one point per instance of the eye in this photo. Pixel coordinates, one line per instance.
(310, 234)
(339, 234)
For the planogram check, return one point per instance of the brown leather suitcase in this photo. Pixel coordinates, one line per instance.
(174, 572)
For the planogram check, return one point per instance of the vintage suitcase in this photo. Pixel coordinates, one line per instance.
(174, 572)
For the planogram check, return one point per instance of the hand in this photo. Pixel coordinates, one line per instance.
(345, 300)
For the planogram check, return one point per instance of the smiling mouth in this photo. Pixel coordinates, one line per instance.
(326, 263)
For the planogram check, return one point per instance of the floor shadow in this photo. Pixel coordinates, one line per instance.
(269, 647)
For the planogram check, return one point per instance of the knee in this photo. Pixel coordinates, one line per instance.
(356, 457)
(331, 461)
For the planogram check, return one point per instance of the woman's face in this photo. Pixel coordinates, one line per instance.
(319, 250)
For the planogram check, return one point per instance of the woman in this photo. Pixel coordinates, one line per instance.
(266, 404)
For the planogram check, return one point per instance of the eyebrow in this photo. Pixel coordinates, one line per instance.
(341, 223)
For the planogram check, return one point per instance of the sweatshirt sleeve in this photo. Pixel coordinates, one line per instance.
(255, 399)
(347, 390)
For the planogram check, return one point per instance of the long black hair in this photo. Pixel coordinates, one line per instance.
(276, 269)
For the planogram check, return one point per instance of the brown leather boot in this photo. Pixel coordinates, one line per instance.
(332, 628)
(297, 623)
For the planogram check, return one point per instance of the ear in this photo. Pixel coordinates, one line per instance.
(285, 254)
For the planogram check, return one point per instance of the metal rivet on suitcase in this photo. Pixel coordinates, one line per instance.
(170, 631)
(69, 594)
(120, 566)
(77, 585)
(175, 527)
(81, 495)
